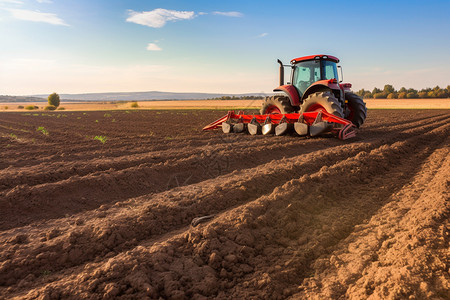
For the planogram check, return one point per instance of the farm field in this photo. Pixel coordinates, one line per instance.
(224, 104)
(101, 204)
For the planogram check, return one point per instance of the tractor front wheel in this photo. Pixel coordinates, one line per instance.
(322, 101)
(277, 105)
(357, 109)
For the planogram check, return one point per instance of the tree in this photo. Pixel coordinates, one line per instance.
(380, 95)
(402, 95)
(53, 99)
(376, 90)
(392, 96)
(402, 90)
(388, 89)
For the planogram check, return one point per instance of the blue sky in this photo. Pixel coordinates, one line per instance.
(78, 46)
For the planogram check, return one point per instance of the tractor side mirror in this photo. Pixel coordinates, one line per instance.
(341, 77)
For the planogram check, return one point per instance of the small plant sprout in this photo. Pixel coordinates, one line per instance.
(107, 115)
(101, 138)
(13, 136)
(43, 130)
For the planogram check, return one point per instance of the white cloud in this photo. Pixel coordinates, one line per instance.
(153, 47)
(36, 16)
(229, 13)
(44, 1)
(11, 1)
(158, 18)
(263, 35)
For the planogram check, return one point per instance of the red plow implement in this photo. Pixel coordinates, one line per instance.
(303, 124)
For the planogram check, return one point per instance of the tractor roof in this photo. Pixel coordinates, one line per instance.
(312, 57)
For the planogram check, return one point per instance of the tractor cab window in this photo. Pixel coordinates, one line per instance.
(329, 70)
(305, 74)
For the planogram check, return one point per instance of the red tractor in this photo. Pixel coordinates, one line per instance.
(315, 87)
(313, 103)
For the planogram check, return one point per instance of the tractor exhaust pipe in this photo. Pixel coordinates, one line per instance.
(281, 72)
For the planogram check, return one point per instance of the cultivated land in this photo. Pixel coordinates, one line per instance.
(289, 217)
(224, 104)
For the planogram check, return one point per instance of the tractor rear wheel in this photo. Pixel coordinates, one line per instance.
(357, 109)
(277, 105)
(322, 101)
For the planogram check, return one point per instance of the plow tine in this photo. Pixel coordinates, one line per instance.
(254, 127)
(238, 128)
(268, 127)
(301, 128)
(227, 127)
(319, 126)
(283, 127)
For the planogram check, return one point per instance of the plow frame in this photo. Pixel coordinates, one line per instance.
(342, 128)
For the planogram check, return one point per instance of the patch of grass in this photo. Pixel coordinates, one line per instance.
(36, 115)
(134, 104)
(29, 107)
(42, 130)
(61, 108)
(50, 107)
(113, 120)
(6, 107)
(13, 136)
(20, 107)
(78, 118)
(101, 138)
(106, 115)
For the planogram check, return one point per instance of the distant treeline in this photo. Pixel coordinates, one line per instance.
(389, 92)
(238, 98)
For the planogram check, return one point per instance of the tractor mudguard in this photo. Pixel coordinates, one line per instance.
(291, 92)
(321, 85)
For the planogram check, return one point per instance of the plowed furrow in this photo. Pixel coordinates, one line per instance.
(155, 215)
(148, 225)
(407, 239)
(92, 190)
(82, 168)
(269, 243)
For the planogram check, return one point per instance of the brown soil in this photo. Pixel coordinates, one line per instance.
(289, 217)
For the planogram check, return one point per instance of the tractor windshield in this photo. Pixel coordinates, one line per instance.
(305, 73)
(329, 70)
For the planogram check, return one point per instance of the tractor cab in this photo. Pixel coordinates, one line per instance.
(310, 69)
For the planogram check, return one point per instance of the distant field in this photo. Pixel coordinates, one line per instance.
(226, 104)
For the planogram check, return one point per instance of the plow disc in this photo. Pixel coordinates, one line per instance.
(308, 123)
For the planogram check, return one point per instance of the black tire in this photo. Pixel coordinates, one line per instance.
(281, 102)
(324, 99)
(357, 109)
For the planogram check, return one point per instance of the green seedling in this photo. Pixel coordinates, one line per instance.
(96, 121)
(13, 136)
(43, 130)
(101, 138)
(107, 115)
